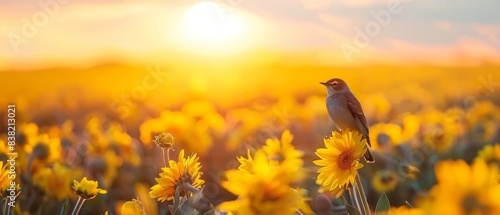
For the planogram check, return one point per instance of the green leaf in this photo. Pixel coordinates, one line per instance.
(177, 197)
(383, 204)
(65, 207)
(197, 197)
(212, 211)
(184, 209)
(350, 209)
(187, 205)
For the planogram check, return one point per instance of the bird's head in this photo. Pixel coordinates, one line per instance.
(335, 85)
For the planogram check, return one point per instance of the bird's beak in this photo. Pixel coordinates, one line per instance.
(323, 83)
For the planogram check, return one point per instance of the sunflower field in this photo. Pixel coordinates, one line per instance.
(248, 138)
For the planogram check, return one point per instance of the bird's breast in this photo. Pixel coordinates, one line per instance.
(340, 114)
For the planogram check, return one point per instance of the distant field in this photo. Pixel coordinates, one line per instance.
(221, 110)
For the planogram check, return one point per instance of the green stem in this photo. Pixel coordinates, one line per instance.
(76, 206)
(362, 195)
(353, 197)
(80, 207)
(7, 207)
(188, 187)
(165, 161)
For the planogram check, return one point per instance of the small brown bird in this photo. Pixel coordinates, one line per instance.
(346, 112)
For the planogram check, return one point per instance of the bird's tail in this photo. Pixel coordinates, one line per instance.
(368, 156)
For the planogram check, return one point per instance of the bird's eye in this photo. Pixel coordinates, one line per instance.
(335, 84)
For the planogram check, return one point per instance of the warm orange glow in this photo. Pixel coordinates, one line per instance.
(218, 104)
(211, 22)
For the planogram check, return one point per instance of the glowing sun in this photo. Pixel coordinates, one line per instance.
(211, 22)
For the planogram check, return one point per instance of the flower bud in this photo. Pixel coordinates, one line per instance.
(164, 140)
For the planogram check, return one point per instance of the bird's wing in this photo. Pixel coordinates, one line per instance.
(359, 116)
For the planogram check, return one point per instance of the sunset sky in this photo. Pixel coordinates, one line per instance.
(459, 32)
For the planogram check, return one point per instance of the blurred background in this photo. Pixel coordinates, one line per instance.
(94, 81)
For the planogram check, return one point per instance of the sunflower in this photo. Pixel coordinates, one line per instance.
(55, 181)
(87, 189)
(490, 154)
(4, 177)
(377, 105)
(186, 170)
(247, 122)
(264, 191)
(384, 181)
(483, 111)
(464, 189)
(385, 135)
(123, 143)
(340, 159)
(279, 153)
(4, 149)
(282, 152)
(133, 207)
(454, 120)
(441, 137)
(411, 126)
(246, 164)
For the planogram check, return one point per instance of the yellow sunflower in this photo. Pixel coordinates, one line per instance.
(411, 126)
(385, 135)
(439, 137)
(490, 154)
(282, 152)
(245, 163)
(4, 177)
(87, 189)
(464, 189)
(265, 191)
(454, 119)
(186, 170)
(340, 159)
(377, 105)
(55, 181)
(247, 123)
(4, 149)
(483, 111)
(279, 153)
(384, 181)
(133, 207)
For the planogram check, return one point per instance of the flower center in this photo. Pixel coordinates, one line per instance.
(383, 139)
(439, 137)
(472, 205)
(345, 160)
(386, 179)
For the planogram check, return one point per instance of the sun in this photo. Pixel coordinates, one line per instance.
(211, 22)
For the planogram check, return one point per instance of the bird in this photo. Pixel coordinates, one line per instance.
(346, 112)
